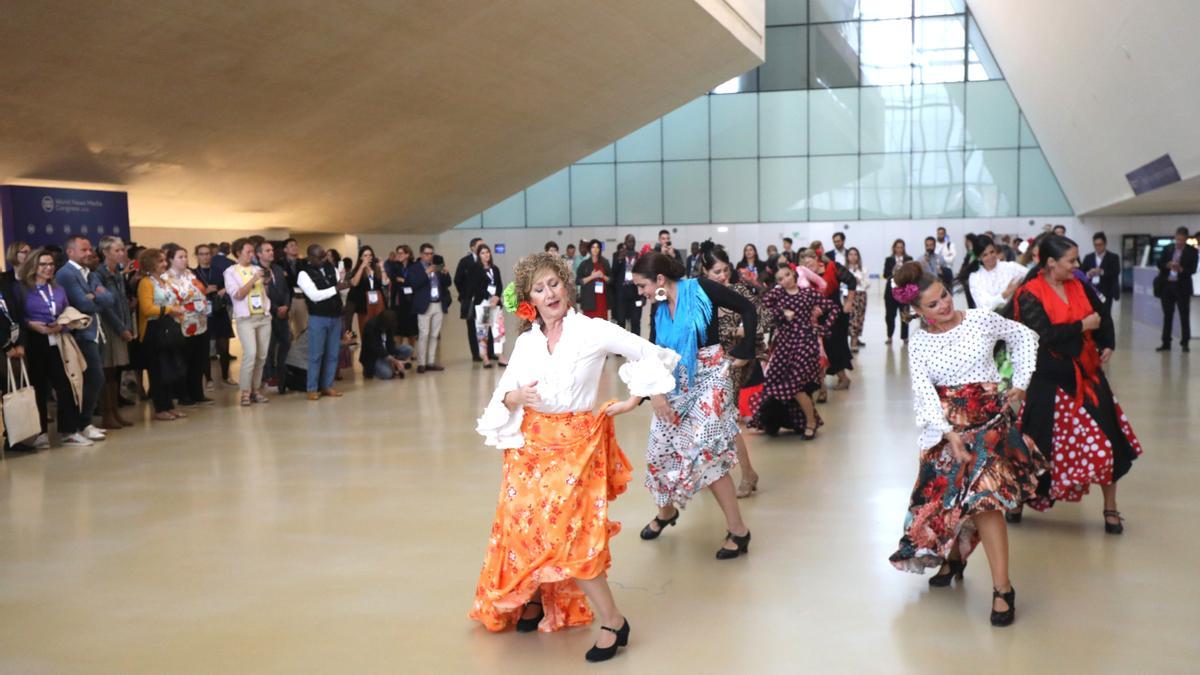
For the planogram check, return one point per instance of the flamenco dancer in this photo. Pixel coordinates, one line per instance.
(562, 464)
(691, 443)
(975, 463)
(837, 344)
(714, 266)
(802, 316)
(1088, 439)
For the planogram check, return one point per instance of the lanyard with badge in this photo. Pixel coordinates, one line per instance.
(434, 290)
(51, 305)
(14, 328)
(255, 298)
(491, 289)
(372, 294)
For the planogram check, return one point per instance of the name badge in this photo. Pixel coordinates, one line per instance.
(256, 303)
(599, 286)
(433, 292)
(372, 297)
(1096, 280)
(408, 290)
(629, 275)
(491, 289)
(637, 303)
(296, 289)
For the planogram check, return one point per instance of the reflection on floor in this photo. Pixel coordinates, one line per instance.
(345, 536)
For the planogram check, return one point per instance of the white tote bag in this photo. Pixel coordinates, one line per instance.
(21, 418)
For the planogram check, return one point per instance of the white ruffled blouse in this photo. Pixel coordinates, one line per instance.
(988, 286)
(963, 355)
(569, 379)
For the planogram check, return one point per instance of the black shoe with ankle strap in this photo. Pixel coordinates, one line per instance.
(596, 654)
(1114, 528)
(649, 533)
(743, 546)
(1006, 617)
(531, 624)
(955, 572)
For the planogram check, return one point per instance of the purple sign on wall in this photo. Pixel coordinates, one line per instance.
(41, 216)
(1154, 175)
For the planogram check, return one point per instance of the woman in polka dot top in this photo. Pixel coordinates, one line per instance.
(975, 464)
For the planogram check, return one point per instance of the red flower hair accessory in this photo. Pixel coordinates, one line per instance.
(526, 311)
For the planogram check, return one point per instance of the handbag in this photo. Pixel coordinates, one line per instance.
(21, 418)
(170, 333)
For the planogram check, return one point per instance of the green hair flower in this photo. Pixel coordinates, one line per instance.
(510, 297)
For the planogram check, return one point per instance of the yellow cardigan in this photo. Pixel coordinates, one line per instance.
(147, 310)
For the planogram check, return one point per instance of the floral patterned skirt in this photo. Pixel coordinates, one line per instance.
(684, 457)
(1002, 474)
(552, 523)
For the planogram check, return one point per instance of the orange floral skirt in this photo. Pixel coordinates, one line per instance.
(552, 523)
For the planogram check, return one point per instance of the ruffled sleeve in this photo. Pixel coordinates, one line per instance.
(499, 426)
(649, 369)
(926, 402)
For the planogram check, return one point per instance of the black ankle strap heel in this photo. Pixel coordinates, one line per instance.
(1006, 617)
(596, 654)
(531, 624)
(743, 546)
(649, 533)
(1114, 528)
(957, 567)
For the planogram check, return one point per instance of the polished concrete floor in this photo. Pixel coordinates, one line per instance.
(345, 536)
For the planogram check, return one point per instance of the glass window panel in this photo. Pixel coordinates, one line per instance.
(605, 154)
(643, 145)
(936, 7)
(685, 131)
(981, 65)
(1040, 192)
(884, 190)
(833, 60)
(786, 11)
(475, 222)
(639, 193)
(548, 202)
(735, 190)
(993, 119)
(746, 82)
(593, 195)
(833, 121)
(939, 49)
(938, 116)
(884, 9)
(886, 119)
(991, 184)
(832, 10)
(685, 192)
(508, 213)
(937, 184)
(833, 188)
(786, 66)
(783, 123)
(734, 125)
(783, 188)
(1028, 140)
(887, 52)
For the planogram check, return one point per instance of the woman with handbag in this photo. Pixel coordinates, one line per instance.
(484, 284)
(188, 292)
(43, 302)
(160, 332)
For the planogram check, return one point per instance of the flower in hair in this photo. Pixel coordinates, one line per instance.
(509, 297)
(906, 294)
(526, 311)
(646, 249)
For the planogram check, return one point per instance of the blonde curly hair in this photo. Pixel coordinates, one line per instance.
(529, 268)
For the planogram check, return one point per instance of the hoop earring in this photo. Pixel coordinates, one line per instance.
(660, 295)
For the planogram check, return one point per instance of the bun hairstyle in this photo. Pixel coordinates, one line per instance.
(908, 283)
(711, 254)
(1050, 246)
(654, 263)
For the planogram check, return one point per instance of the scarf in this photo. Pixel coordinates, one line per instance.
(1077, 307)
(832, 285)
(681, 333)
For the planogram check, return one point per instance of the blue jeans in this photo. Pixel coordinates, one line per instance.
(383, 369)
(324, 340)
(93, 379)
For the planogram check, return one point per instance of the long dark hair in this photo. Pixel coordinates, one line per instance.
(1052, 246)
(479, 255)
(757, 258)
(654, 263)
(979, 244)
(374, 260)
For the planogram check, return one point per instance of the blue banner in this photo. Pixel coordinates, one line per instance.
(40, 216)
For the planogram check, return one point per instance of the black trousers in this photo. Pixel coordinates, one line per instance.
(628, 314)
(891, 309)
(277, 351)
(195, 362)
(162, 365)
(1173, 297)
(46, 371)
(471, 334)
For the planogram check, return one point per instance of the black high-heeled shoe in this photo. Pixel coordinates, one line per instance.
(649, 533)
(530, 625)
(743, 546)
(1114, 528)
(1014, 516)
(809, 433)
(957, 567)
(596, 654)
(1006, 617)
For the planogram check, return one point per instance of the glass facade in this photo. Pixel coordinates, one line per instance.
(863, 110)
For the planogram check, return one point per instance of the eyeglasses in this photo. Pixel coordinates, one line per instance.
(45, 264)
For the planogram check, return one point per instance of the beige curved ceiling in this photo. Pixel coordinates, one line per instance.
(364, 116)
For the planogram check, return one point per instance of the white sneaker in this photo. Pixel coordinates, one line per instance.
(95, 433)
(41, 442)
(77, 440)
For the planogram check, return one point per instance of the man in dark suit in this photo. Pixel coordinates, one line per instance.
(462, 276)
(430, 301)
(1175, 270)
(279, 292)
(628, 312)
(1103, 268)
(88, 295)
